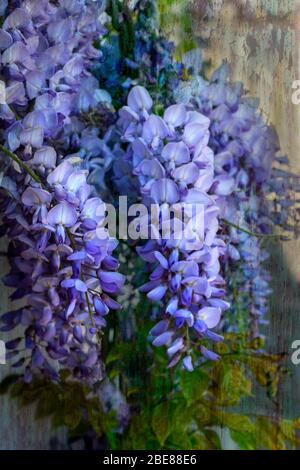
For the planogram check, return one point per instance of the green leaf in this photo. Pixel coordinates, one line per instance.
(72, 418)
(193, 385)
(213, 439)
(7, 382)
(288, 429)
(237, 422)
(47, 404)
(244, 440)
(160, 422)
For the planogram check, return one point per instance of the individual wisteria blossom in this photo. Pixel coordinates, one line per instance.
(254, 193)
(59, 250)
(174, 167)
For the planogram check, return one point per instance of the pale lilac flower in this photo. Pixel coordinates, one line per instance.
(174, 167)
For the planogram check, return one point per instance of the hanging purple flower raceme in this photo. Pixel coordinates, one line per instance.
(62, 264)
(59, 250)
(174, 168)
(246, 179)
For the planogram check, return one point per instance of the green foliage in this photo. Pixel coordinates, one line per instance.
(175, 409)
(175, 21)
(160, 422)
(68, 403)
(170, 409)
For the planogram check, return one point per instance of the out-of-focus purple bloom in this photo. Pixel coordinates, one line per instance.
(245, 174)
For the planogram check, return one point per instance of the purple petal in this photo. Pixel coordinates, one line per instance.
(162, 260)
(139, 99)
(91, 359)
(36, 197)
(45, 156)
(18, 53)
(35, 81)
(60, 31)
(209, 354)
(163, 339)
(100, 307)
(17, 18)
(60, 174)
(176, 346)
(213, 336)
(196, 196)
(177, 152)
(80, 286)
(67, 283)
(15, 93)
(62, 214)
(224, 185)
(194, 133)
(210, 315)
(165, 190)
(159, 328)
(111, 303)
(37, 358)
(154, 129)
(187, 173)
(32, 136)
(5, 39)
(175, 115)
(77, 331)
(157, 293)
(188, 365)
(200, 326)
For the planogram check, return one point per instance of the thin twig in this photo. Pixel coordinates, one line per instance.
(253, 234)
(22, 164)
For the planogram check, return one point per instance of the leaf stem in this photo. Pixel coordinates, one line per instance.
(253, 234)
(22, 164)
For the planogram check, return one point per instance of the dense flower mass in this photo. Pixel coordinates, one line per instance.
(46, 49)
(46, 86)
(246, 176)
(62, 265)
(175, 169)
(212, 149)
(59, 251)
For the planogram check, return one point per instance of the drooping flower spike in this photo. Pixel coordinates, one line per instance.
(175, 170)
(60, 253)
(253, 192)
(62, 264)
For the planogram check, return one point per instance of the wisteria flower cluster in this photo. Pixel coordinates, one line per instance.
(60, 254)
(174, 167)
(47, 55)
(246, 176)
(212, 148)
(61, 260)
(46, 52)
